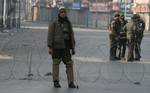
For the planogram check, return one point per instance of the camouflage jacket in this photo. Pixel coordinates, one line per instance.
(116, 28)
(130, 29)
(140, 28)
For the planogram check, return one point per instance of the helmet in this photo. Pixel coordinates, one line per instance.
(135, 16)
(116, 14)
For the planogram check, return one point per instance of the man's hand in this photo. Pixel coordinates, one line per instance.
(50, 51)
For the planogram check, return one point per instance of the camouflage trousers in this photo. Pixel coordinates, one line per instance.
(63, 55)
(122, 48)
(113, 46)
(131, 46)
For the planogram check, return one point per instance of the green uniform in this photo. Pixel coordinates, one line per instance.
(139, 37)
(130, 29)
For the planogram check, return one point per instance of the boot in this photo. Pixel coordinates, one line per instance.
(56, 84)
(137, 59)
(72, 85)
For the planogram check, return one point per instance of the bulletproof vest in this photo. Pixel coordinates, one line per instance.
(115, 27)
(140, 26)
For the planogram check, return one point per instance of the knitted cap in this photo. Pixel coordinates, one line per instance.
(62, 8)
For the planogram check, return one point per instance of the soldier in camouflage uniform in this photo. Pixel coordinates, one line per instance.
(130, 29)
(122, 39)
(114, 30)
(61, 44)
(139, 37)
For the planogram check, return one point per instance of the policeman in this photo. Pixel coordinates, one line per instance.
(61, 44)
(139, 37)
(130, 29)
(115, 28)
(122, 39)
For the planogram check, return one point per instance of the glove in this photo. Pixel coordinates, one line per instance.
(72, 51)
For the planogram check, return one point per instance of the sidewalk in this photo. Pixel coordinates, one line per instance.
(44, 26)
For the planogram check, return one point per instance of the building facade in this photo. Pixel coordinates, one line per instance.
(142, 7)
(91, 13)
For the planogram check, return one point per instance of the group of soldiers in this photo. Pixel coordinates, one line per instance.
(126, 34)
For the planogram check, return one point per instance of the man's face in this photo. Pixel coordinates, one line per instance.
(63, 13)
(117, 18)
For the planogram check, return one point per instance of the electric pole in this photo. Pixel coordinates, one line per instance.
(4, 14)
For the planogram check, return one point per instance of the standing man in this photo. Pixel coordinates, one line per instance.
(130, 29)
(115, 28)
(139, 37)
(122, 39)
(61, 44)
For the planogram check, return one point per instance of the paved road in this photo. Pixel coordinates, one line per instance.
(24, 53)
